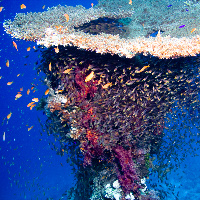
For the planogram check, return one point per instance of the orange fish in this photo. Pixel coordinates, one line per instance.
(67, 71)
(7, 63)
(33, 105)
(30, 128)
(145, 67)
(56, 49)
(15, 45)
(18, 75)
(21, 89)
(35, 99)
(28, 49)
(106, 85)
(22, 6)
(30, 104)
(9, 115)
(32, 88)
(89, 77)
(1, 8)
(46, 92)
(92, 4)
(194, 29)
(18, 96)
(50, 66)
(67, 17)
(43, 6)
(28, 92)
(9, 83)
(34, 47)
(130, 2)
(60, 91)
(99, 81)
(169, 71)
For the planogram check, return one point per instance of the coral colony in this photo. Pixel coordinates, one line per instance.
(110, 92)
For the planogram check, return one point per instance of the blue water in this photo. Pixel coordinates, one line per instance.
(29, 168)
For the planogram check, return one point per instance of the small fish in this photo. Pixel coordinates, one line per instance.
(67, 17)
(56, 50)
(60, 91)
(28, 49)
(7, 63)
(33, 105)
(130, 2)
(22, 6)
(21, 89)
(141, 70)
(67, 71)
(130, 82)
(4, 136)
(9, 83)
(3, 121)
(50, 66)
(18, 75)
(15, 45)
(194, 29)
(106, 85)
(35, 99)
(92, 5)
(30, 128)
(181, 26)
(46, 92)
(169, 6)
(30, 104)
(89, 77)
(9, 115)
(18, 96)
(1, 8)
(99, 81)
(28, 92)
(169, 71)
(189, 81)
(43, 6)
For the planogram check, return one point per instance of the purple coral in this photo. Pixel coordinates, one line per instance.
(126, 171)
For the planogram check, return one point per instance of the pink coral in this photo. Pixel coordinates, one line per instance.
(127, 171)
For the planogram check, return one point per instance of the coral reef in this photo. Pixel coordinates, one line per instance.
(180, 30)
(117, 115)
(111, 88)
(32, 26)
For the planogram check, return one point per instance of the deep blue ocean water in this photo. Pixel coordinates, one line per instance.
(29, 168)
